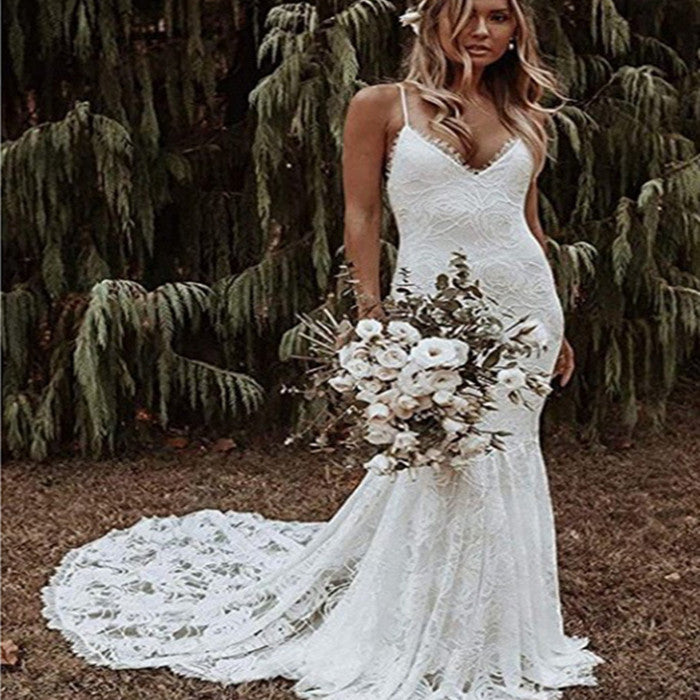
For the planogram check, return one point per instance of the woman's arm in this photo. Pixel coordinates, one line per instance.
(364, 138)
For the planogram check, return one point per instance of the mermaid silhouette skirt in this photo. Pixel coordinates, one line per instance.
(439, 585)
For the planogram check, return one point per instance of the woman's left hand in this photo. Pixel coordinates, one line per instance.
(564, 365)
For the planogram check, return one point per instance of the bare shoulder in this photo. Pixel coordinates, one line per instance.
(373, 102)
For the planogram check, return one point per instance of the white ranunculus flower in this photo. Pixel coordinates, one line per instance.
(403, 331)
(394, 357)
(368, 328)
(342, 382)
(386, 374)
(443, 397)
(444, 379)
(359, 368)
(380, 464)
(404, 441)
(433, 352)
(404, 406)
(473, 444)
(381, 434)
(512, 377)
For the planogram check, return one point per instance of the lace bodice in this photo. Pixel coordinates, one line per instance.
(442, 204)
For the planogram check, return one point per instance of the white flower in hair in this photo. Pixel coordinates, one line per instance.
(411, 18)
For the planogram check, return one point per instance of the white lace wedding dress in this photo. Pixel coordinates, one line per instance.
(435, 586)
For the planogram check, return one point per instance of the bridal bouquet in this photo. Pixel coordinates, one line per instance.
(411, 391)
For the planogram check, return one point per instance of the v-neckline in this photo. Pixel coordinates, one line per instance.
(450, 153)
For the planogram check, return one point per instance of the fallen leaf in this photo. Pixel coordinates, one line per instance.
(8, 653)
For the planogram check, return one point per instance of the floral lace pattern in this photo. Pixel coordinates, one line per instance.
(436, 586)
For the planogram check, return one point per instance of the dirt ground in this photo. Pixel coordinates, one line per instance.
(625, 521)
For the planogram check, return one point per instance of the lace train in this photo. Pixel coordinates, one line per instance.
(435, 586)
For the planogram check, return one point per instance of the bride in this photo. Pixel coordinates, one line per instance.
(438, 586)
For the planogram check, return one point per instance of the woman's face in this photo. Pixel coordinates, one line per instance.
(491, 25)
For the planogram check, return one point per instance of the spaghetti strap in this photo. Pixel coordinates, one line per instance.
(403, 103)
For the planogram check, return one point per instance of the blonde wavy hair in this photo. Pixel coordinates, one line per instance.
(516, 82)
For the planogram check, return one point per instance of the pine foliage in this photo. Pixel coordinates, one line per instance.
(136, 156)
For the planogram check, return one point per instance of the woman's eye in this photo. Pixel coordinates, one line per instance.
(500, 17)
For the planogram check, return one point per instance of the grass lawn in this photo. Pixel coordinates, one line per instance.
(625, 520)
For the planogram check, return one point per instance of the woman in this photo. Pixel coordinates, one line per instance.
(440, 585)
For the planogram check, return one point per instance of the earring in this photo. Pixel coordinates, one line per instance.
(511, 44)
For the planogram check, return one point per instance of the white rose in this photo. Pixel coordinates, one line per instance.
(393, 357)
(403, 332)
(368, 328)
(405, 440)
(444, 379)
(512, 377)
(461, 352)
(342, 382)
(381, 434)
(359, 368)
(443, 397)
(380, 464)
(433, 352)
